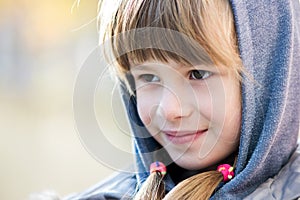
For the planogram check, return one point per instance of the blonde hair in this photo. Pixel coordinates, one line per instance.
(209, 23)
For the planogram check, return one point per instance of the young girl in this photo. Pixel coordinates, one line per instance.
(211, 88)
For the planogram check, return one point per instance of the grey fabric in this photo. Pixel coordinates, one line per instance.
(117, 186)
(285, 185)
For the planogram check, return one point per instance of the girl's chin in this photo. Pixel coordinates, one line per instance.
(209, 163)
(194, 166)
(190, 163)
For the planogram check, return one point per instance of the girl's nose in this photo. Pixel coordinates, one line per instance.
(174, 105)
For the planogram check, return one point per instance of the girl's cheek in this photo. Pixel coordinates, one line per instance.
(146, 119)
(144, 111)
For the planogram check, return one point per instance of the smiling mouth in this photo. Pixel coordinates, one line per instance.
(183, 137)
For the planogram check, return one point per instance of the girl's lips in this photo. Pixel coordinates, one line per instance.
(183, 137)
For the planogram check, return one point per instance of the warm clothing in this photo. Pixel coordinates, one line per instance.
(285, 185)
(268, 165)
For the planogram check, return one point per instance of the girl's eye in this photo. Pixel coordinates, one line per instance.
(149, 78)
(199, 74)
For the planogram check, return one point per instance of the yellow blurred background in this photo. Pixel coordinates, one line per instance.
(42, 47)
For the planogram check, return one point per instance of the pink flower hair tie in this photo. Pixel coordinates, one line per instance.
(227, 172)
(158, 167)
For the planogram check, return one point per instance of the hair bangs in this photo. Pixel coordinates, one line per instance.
(188, 32)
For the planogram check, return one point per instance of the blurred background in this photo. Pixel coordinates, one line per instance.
(42, 47)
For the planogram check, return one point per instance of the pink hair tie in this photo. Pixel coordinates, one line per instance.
(227, 172)
(158, 167)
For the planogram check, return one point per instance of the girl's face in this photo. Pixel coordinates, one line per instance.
(194, 112)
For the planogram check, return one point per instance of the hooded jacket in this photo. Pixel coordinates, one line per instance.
(268, 164)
